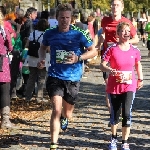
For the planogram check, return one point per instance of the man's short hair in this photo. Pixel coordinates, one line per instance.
(20, 12)
(63, 7)
(118, 0)
(30, 11)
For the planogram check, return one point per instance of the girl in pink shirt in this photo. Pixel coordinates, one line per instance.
(122, 84)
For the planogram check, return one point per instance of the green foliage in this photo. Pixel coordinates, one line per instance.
(130, 5)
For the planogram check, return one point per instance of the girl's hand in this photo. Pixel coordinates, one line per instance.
(139, 84)
(113, 72)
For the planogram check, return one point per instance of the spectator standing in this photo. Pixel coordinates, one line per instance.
(77, 22)
(28, 26)
(35, 73)
(16, 24)
(52, 18)
(5, 46)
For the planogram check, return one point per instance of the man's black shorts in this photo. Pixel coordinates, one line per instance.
(68, 90)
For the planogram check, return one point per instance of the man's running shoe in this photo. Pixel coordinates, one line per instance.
(64, 123)
(113, 144)
(53, 147)
(125, 146)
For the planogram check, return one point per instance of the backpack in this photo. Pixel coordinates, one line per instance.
(34, 46)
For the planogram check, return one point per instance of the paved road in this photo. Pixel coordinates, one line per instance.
(88, 128)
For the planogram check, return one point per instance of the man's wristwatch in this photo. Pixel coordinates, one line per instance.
(79, 58)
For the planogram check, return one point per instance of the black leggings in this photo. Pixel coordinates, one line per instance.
(116, 101)
(14, 71)
(4, 94)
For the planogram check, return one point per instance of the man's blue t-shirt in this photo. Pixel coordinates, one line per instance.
(60, 44)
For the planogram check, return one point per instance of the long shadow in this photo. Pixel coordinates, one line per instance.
(89, 129)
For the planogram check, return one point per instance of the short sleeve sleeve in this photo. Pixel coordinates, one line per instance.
(86, 40)
(45, 41)
(107, 54)
(138, 55)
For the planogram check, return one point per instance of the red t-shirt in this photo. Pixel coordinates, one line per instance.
(109, 27)
(124, 62)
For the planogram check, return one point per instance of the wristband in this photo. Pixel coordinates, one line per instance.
(140, 80)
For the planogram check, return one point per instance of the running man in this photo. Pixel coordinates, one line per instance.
(67, 44)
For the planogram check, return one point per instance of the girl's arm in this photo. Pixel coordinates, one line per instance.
(104, 67)
(138, 68)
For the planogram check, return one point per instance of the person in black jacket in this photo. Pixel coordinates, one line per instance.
(28, 26)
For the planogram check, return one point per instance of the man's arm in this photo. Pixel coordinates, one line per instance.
(42, 56)
(90, 53)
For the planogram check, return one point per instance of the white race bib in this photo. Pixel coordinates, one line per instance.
(124, 77)
(61, 55)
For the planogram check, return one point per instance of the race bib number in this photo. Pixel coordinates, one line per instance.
(124, 77)
(61, 56)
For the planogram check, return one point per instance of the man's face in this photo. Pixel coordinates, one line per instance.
(116, 7)
(33, 15)
(64, 19)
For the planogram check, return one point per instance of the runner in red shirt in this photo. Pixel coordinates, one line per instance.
(122, 83)
(109, 35)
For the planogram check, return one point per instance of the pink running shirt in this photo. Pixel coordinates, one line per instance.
(121, 61)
